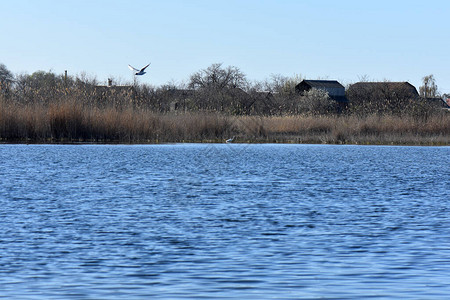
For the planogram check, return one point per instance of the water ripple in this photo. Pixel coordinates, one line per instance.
(224, 221)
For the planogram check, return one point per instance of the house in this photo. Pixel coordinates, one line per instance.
(254, 102)
(438, 102)
(177, 99)
(385, 90)
(381, 96)
(335, 90)
(446, 99)
(117, 94)
(188, 99)
(265, 103)
(257, 103)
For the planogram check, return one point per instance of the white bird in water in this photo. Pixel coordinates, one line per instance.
(230, 140)
(137, 71)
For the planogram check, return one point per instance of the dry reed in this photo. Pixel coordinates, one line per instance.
(69, 121)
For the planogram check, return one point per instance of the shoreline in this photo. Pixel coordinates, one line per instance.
(285, 142)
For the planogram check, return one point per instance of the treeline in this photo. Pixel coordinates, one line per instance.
(214, 89)
(215, 104)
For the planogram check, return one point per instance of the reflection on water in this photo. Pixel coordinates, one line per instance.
(224, 221)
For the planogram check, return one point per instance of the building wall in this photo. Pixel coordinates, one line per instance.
(335, 91)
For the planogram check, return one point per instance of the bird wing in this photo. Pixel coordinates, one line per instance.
(133, 68)
(144, 67)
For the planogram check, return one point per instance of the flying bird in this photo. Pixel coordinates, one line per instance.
(137, 71)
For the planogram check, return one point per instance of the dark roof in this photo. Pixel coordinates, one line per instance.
(336, 91)
(438, 102)
(238, 92)
(178, 93)
(318, 84)
(391, 86)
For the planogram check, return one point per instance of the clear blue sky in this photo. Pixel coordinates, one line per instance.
(343, 40)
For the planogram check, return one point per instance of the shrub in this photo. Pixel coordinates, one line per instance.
(316, 102)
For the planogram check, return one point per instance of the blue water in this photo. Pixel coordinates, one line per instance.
(224, 221)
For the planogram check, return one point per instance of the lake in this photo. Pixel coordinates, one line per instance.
(224, 221)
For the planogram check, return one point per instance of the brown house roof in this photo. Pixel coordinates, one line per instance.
(399, 88)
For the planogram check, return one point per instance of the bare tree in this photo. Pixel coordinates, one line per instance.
(6, 79)
(217, 77)
(275, 83)
(219, 88)
(429, 88)
(40, 86)
(278, 83)
(364, 78)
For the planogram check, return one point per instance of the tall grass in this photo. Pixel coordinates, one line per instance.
(372, 129)
(70, 121)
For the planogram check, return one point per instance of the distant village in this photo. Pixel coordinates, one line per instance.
(217, 104)
(227, 91)
(330, 96)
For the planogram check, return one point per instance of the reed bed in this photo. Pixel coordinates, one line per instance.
(68, 121)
